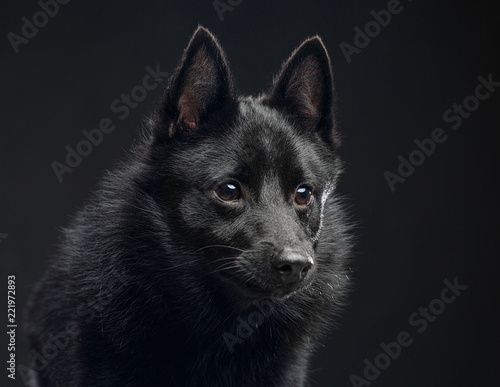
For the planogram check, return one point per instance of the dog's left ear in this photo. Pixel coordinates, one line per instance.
(304, 89)
(201, 84)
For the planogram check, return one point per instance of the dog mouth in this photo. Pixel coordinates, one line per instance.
(258, 289)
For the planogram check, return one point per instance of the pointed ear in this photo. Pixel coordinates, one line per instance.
(303, 89)
(201, 82)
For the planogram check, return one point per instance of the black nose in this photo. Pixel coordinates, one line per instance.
(292, 266)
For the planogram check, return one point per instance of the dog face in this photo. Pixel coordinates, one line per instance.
(245, 181)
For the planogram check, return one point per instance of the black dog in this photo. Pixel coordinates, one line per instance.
(217, 253)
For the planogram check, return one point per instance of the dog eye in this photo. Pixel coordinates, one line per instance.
(303, 195)
(228, 192)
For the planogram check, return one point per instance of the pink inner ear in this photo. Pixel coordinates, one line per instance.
(189, 111)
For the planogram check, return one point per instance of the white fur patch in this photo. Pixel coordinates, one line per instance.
(327, 192)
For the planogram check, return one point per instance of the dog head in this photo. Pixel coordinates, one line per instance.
(244, 181)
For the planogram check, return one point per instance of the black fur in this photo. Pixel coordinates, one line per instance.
(157, 277)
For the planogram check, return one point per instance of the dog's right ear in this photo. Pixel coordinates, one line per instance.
(200, 83)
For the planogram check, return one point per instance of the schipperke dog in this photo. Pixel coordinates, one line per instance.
(218, 252)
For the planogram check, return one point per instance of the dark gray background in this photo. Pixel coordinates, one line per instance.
(439, 224)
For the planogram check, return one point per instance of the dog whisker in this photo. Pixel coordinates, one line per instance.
(220, 246)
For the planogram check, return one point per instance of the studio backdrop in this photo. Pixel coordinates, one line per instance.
(417, 85)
